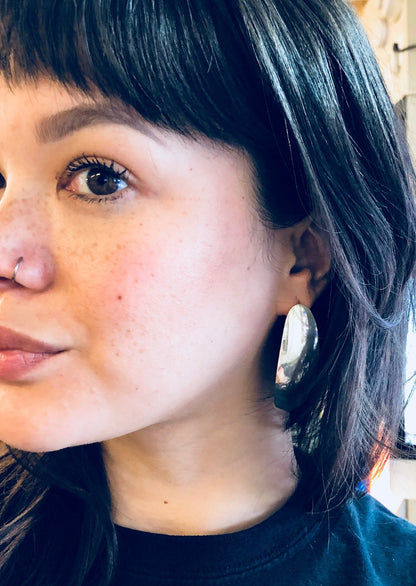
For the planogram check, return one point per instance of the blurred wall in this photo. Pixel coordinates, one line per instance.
(388, 22)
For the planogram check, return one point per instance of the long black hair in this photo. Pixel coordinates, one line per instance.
(295, 85)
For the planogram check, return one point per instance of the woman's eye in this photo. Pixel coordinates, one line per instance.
(100, 181)
(95, 181)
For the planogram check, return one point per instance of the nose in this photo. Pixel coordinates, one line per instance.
(26, 259)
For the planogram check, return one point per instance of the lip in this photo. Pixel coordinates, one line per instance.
(19, 354)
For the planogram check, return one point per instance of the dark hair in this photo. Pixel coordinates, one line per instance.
(296, 86)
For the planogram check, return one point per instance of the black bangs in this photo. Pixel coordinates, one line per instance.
(148, 53)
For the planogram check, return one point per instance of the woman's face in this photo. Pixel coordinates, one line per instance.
(145, 271)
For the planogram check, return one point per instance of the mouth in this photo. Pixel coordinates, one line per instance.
(19, 354)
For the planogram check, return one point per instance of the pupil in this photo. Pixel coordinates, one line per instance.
(101, 182)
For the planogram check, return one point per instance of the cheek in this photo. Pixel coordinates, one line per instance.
(157, 303)
(137, 290)
(168, 281)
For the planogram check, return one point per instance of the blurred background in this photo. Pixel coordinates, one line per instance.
(391, 28)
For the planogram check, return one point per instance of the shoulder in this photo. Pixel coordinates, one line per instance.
(372, 537)
(372, 520)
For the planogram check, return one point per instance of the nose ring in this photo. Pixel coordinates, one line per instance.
(16, 268)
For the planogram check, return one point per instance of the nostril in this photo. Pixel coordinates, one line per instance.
(2, 182)
(6, 283)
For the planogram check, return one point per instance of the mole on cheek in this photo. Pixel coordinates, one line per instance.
(119, 297)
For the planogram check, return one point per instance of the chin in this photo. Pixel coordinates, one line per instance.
(39, 443)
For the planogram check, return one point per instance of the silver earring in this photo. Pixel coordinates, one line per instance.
(16, 268)
(297, 358)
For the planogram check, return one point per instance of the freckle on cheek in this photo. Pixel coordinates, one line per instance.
(119, 297)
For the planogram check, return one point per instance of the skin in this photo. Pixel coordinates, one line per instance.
(162, 301)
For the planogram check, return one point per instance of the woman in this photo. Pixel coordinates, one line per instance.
(175, 177)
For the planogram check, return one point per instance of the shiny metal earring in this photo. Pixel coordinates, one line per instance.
(298, 357)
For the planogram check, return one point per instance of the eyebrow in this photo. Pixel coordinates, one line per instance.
(63, 123)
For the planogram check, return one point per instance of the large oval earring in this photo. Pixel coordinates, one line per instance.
(298, 358)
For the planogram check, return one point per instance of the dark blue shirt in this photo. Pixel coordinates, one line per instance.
(360, 543)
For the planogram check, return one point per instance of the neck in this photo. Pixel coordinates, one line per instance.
(201, 476)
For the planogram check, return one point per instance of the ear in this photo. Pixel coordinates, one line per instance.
(309, 264)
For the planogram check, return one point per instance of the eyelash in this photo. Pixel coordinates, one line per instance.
(94, 162)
